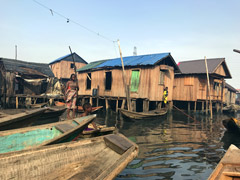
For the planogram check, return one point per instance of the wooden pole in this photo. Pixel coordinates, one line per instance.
(124, 80)
(184, 113)
(209, 92)
(237, 51)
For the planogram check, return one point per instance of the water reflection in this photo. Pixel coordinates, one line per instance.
(173, 146)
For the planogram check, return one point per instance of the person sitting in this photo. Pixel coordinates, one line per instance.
(87, 108)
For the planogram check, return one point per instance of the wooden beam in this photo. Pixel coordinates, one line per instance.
(123, 103)
(195, 106)
(209, 90)
(124, 80)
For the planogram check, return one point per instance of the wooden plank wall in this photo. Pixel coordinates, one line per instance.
(194, 87)
(185, 88)
(149, 86)
(63, 69)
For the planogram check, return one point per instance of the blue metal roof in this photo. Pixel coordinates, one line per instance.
(68, 57)
(150, 59)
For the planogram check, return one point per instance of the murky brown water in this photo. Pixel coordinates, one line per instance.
(173, 146)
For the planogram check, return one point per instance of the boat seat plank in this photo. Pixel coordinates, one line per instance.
(64, 127)
(75, 121)
(116, 143)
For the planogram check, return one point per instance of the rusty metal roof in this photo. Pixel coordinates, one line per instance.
(198, 66)
(26, 68)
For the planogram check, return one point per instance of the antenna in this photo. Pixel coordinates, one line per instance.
(15, 52)
(135, 51)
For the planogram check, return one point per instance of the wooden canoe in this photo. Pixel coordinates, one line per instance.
(232, 125)
(142, 115)
(98, 132)
(53, 112)
(30, 137)
(229, 166)
(99, 158)
(22, 119)
(79, 108)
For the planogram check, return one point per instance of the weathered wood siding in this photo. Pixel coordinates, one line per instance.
(194, 87)
(229, 97)
(63, 69)
(149, 86)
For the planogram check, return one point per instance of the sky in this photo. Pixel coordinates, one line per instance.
(188, 29)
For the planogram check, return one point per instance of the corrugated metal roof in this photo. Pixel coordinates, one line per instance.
(150, 59)
(230, 87)
(68, 57)
(23, 67)
(198, 66)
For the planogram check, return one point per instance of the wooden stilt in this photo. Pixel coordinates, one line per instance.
(83, 101)
(133, 104)
(145, 105)
(195, 106)
(97, 99)
(16, 102)
(117, 105)
(106, 101)
(206, 107)
(123, 103)
(170, 106)
(90, 100)
(217, 107)
(189, 106)
(202, 106)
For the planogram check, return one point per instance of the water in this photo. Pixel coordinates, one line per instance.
(173, 146)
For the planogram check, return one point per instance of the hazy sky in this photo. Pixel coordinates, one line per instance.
(189, 29)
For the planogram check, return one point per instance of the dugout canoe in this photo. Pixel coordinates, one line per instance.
(79, 108)
(229, 166)
(19, 120)
(98, 158)
(53, 112)
(97, 132)
(232, 125)
(31, 137)
(142, 115)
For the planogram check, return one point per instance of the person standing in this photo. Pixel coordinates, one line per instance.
(71, 95)
(165, 95)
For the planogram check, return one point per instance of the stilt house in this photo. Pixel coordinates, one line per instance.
(20, 77)
(63, 67)
(230, 94)
(146, 77)
(190, 88)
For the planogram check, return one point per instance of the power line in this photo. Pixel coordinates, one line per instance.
(74, 22)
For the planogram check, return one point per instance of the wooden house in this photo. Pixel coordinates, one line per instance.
(22, 78)
(146, 77)
(230, 94)
(190, 87)
(238, 97)
(63, 67)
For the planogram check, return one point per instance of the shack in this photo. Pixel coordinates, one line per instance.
(21, 79)
(190, 87)
(146, 77)
(63, 67)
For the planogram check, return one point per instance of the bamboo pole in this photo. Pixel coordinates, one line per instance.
(124, 80)
(209, 92)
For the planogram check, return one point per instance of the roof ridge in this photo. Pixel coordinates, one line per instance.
(201, 60)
